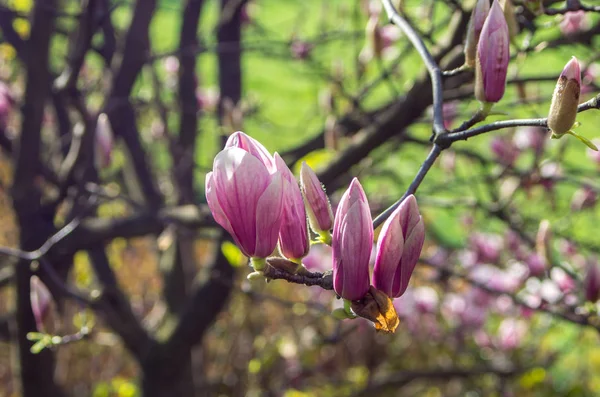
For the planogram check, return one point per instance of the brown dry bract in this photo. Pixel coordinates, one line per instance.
(377, 307)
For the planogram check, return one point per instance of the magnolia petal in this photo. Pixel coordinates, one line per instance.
(356, 245)
(390, 246)
(213, 203)
(268, 217)
(240, 140)
(412, 251)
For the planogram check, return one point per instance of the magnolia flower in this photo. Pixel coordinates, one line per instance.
(352, 243)
(493, 53)
(244, 192)
(398, 248)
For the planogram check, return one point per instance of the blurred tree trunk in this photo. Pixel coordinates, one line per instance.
(229, 35)
(35, 222)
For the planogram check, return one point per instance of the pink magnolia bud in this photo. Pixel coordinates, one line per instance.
(40, 298)
(317, 204)
(352, 243)
(398, 248)
(293, 234)
(591, 282)
(240, 140)
(563, 109)
(245, 196)
(493, 53)
(104, 141)
(478, 16)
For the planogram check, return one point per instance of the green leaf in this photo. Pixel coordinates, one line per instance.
(232, 253)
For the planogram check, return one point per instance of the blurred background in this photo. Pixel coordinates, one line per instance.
(149, 298)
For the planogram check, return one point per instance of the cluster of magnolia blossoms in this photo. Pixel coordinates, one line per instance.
(487, 49)
(256, 198)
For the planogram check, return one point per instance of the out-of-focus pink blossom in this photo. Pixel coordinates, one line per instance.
(567, 248)
(7, 103)
(574, 22)
(590, 74)
(482, 339)
(536, 264)
(550, 292)
(487, 247)
(464, 310)
(505, 151)
(300, 49)
(511, 333)
(426, 299)
(562, 280)
(450, 113)
(503, 304)
(207, 98)
(591, 282)
(532, 138)
(379, 42)
(318, 258)
(372, 7)
(171, 64)
(584, 198)
(549, 172)
(246, 14)
(390, 34)
(495, 278)
(514, 244)
(41, 299)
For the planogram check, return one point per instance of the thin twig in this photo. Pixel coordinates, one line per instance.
(432, 67)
